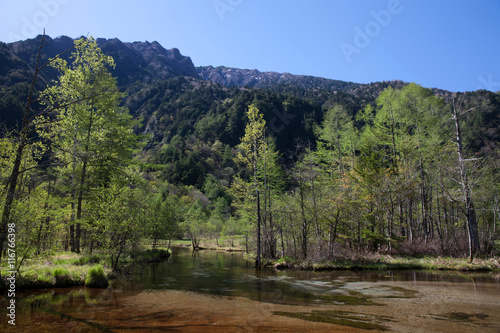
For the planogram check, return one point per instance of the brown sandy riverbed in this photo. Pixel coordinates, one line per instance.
(428, 309)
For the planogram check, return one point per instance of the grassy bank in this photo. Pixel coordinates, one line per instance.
(215, 244)
(67, 269)
(366, 262)
(391, 263)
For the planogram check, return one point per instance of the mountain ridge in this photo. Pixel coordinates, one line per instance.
(151, 61)
(253, 78)
(170, 96)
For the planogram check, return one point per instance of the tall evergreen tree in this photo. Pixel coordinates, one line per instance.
(253, 147)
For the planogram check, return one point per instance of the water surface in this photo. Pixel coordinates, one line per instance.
(220, 292)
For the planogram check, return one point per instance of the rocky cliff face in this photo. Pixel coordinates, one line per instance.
(146, 61)
(234, 77)
(138, 61)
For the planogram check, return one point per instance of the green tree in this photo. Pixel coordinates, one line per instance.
(23, 149)
(253, 147)
(164, 215)
(197, 223)
(336, 157)
(93, 135)
(337, 139)
(119, 218)
(273, 180)
(397, 153)
(305, 195)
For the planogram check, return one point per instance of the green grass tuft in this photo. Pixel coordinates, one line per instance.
(96, 278)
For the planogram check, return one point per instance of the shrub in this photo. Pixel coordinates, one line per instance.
(62, 277)
(150, 255)
(157, 254)
(62, 261)
(284, 262)
(60, 272)
(285, 259)
(96, 278)
(35, 280)
(84, 260)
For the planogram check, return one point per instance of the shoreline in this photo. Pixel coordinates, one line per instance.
(374, 262)
(391, 263)
(64, 270)
(71, 274)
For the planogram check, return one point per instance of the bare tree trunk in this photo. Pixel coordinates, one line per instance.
(266, 247)
(305, 228)
(390, 226)
(423, 198)
(45, 221)
(258, 261)
(73, 215)
(401, 219)
(410, 221)
(470, 212)
(282, 243)
(272, 237)
(333, 234)
(439, 224)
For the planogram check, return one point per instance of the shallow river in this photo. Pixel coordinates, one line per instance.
(220, 292)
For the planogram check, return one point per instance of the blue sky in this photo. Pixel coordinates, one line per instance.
(452, 45)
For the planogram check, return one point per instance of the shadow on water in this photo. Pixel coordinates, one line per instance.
(343, 318)
(79, 305)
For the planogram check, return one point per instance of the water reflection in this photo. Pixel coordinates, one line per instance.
(228, 274)
(211, 291)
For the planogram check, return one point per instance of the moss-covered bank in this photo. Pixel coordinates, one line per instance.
(391, 263)
(67, 269)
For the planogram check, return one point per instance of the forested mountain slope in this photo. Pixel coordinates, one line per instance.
(373, 166)
(171, 97)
